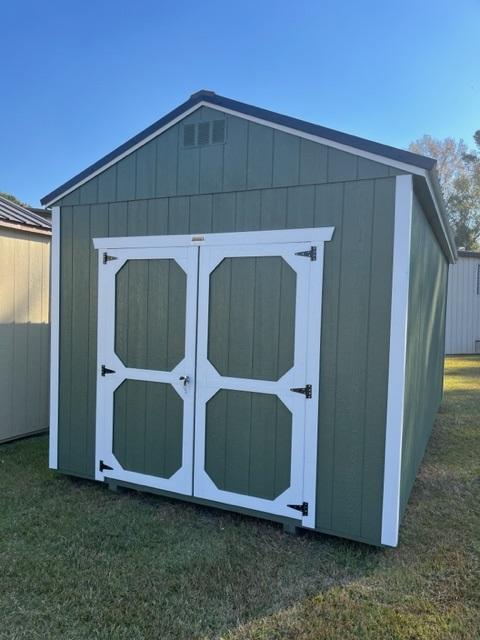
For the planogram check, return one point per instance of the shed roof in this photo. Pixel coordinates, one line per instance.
(411, 162)
(14, 215)
(467, 253)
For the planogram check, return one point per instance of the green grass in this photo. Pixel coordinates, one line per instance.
(78, 562)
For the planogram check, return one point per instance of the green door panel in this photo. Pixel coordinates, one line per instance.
(252, 317)
(150, 314)
(248, 443)
(148, 428)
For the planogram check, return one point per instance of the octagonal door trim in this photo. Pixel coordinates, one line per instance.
(304, 370)
(107, 464)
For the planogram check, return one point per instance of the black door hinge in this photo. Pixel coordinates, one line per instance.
(102, 466)
(303, 508)
(306, 390)
(312, 253)
(106, 257)
(105, 370)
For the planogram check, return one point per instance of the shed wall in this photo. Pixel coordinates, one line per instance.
(356, 319)
(259, 179)
(425, 346)
(463, 306)
(24, 332)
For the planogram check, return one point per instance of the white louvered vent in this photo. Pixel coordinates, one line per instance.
(189, 135)
(204, 133)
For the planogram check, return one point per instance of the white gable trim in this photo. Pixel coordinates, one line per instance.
(301, 134)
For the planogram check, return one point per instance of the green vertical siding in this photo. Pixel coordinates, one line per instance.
(148, 427)
(248, 442)
(425, 346)
(356, 318)
(259, 178)
(354, 355)
(253, 157)
(24, 332)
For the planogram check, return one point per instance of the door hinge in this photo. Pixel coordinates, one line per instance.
(102, 466)
(306, 390)
(106, 257)
(312, 253)
(105, 370)
(303, 508)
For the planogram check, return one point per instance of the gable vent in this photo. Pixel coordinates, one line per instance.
(218, 131)
(189, 135)
(203, 133)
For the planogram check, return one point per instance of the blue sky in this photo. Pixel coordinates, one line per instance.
(79, 78)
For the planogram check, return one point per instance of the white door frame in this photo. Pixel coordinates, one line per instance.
(209, 381)
(187, 259)
(315, 236)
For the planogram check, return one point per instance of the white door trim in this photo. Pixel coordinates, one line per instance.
(313, 234)
(54, 338)
(305, 371)
(397, 360)
(181, 481)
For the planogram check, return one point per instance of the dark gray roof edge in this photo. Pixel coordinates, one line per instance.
(392, 153)
(443, 212)
(467, 253)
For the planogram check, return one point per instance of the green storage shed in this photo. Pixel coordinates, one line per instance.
(248, 312)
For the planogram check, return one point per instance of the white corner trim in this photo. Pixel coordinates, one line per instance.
(397, 360)
(54, 336)
(403, 166)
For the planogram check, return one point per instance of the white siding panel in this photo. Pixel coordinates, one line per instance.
(463, 307)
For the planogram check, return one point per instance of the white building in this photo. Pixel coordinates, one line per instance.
(463, 304)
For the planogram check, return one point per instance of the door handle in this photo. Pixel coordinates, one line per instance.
(185, 379)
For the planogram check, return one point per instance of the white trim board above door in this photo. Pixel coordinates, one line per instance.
(302, 251)
(314, 234)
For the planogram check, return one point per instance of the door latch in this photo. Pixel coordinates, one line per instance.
(185, 379)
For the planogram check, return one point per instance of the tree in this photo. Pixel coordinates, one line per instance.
(458, 169)
(8, 196)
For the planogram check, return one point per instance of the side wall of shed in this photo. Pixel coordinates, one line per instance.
(24, 332)
(425, 346)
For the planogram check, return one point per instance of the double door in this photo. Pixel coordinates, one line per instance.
(208, 357)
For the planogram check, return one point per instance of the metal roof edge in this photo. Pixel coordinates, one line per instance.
(468, 253)
(427, 189)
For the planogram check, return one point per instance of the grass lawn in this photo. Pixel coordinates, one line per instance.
(78, 562)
